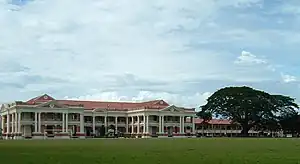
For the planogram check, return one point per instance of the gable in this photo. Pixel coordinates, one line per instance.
(172, 108)
(100, 110)
(40, 99)
(161, 102)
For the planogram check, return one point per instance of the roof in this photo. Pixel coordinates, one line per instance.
(40, 99)
(214, 121)
(90, 105)
(157, 104)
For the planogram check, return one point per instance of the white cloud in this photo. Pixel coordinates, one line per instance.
(248, 58)
(288, 78)
(112, 50)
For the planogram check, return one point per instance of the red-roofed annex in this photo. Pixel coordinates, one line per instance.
(44, 116)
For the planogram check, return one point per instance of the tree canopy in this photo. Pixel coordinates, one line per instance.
(248, 107)
(290, 123)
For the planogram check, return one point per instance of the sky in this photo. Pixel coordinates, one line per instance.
(137, 50)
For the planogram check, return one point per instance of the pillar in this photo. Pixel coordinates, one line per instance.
(144, 129)
(193, 127)
(147, 124)
(183, 124)
(2, 123)
(19, 121)
(94, 125)
(132, 122)
(127, 124)
(16, 122)
(67, 123)
(180, 127)
(116, 124)
(39, 122)
(159, 124)
(63, 122)
(12, 123)
(138, 125)
(81, 123)
(35, 122)
(8, 124)
(162, 124)
(105, 123)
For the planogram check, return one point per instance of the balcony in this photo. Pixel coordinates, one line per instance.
(74, 120)
(51, 119)
(27, 121)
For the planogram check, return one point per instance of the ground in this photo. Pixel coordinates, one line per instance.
(151, 151)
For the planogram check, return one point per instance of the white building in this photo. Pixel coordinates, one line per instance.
(45, 117)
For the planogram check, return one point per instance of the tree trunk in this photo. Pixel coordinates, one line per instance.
(245, 131)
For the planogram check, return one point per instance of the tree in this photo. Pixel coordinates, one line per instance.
(290, 123)
(246, 106)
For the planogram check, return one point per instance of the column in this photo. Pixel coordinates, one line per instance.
(8, 124)
(116, 124)
(63, 123)
(193, 122)
(19, 121)
(105, 123)
(35, 121)
(2, 123)
(147, 124)
(138, 125)
(180, 127)
(12, 123)
(94, 124)
(127, 125)
(162, 124)
(67, 123)
(16, 122)
(144, 129)
(183, 124)
(132, 130)
(159, 124)
(40, 122)
(81, 123)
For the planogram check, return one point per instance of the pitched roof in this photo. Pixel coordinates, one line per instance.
(89, 105)
(116, 105)
(40, 99)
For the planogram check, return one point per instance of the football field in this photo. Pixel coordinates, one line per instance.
(151, 151)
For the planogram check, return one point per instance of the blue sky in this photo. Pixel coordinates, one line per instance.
(180, 51)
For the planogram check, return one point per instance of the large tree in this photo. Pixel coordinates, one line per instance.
(246, 106)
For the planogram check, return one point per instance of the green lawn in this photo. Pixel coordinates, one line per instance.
(151, 151)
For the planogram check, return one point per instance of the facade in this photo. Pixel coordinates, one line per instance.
(227, 128)
(44, 117)
(220, 128)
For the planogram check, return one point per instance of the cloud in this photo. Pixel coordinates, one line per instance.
(288, 78)
(176, 50)
(176, 99)
(249, 59)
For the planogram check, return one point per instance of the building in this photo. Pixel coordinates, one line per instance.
(46, 117)
(219, 128)
(227, 128)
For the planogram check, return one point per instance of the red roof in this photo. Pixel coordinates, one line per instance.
(214, 121)
(116, 105)
(40, 99)
(89, 105)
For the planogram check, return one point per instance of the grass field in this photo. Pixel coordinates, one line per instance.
(151, 151)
